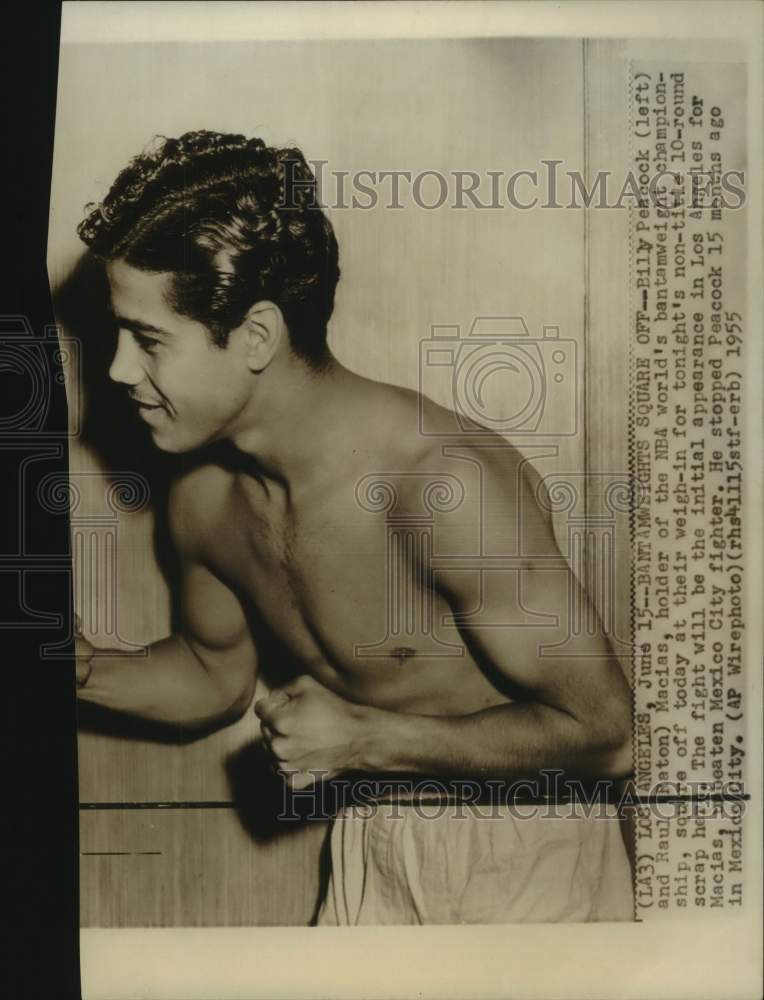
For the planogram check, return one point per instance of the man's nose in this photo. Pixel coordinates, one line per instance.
(125, 366)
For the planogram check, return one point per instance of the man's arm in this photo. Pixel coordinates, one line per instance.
(201, 677)
(571, 712)
(574, 715)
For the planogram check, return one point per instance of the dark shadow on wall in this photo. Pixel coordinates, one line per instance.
(109, 424)
(111, 429)
(261, 796)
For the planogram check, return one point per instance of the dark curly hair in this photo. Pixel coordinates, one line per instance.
(235, 221)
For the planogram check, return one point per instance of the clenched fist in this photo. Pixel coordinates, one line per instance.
(308, 728)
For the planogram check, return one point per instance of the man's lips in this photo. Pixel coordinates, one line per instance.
(146, 409)
(145, 404)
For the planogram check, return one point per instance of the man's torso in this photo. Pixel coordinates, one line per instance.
(337, 583)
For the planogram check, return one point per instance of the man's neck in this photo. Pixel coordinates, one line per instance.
(299, 421)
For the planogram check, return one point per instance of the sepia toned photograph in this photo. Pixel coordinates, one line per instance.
(407, 384)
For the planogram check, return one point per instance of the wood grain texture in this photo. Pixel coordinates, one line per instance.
(193, 868)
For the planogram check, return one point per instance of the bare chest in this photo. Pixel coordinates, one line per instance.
(346, 594)
(320, 575)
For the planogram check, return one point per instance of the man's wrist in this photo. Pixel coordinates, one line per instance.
(392, 741)
(370, 744)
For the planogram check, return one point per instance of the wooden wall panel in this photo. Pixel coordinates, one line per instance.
(193, 868)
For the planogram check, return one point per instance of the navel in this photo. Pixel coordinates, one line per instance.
(403, 653)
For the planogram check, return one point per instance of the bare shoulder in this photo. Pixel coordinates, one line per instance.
(428, 438)
(195, 499)
(470, 479)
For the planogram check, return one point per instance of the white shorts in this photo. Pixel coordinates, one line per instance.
(399, 866)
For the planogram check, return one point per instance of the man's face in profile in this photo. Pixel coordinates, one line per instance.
(187, 390)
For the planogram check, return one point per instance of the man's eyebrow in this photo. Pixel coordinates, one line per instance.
(140, 326)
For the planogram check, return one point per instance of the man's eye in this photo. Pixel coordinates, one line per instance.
(147, 344)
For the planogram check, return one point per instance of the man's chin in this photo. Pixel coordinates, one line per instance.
(174, 445)
(165, 442)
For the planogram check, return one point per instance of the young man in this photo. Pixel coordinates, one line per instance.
(329, 525)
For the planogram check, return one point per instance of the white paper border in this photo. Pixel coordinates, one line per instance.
(682, 959)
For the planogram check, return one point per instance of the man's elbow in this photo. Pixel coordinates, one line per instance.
(233, 705)
(226, 710)
(237, 709)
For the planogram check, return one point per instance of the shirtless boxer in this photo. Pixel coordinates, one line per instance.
(222, 273)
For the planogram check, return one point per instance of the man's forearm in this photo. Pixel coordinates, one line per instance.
(508, 742)
(168, 684)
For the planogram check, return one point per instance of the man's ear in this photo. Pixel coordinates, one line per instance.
(264, 330)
